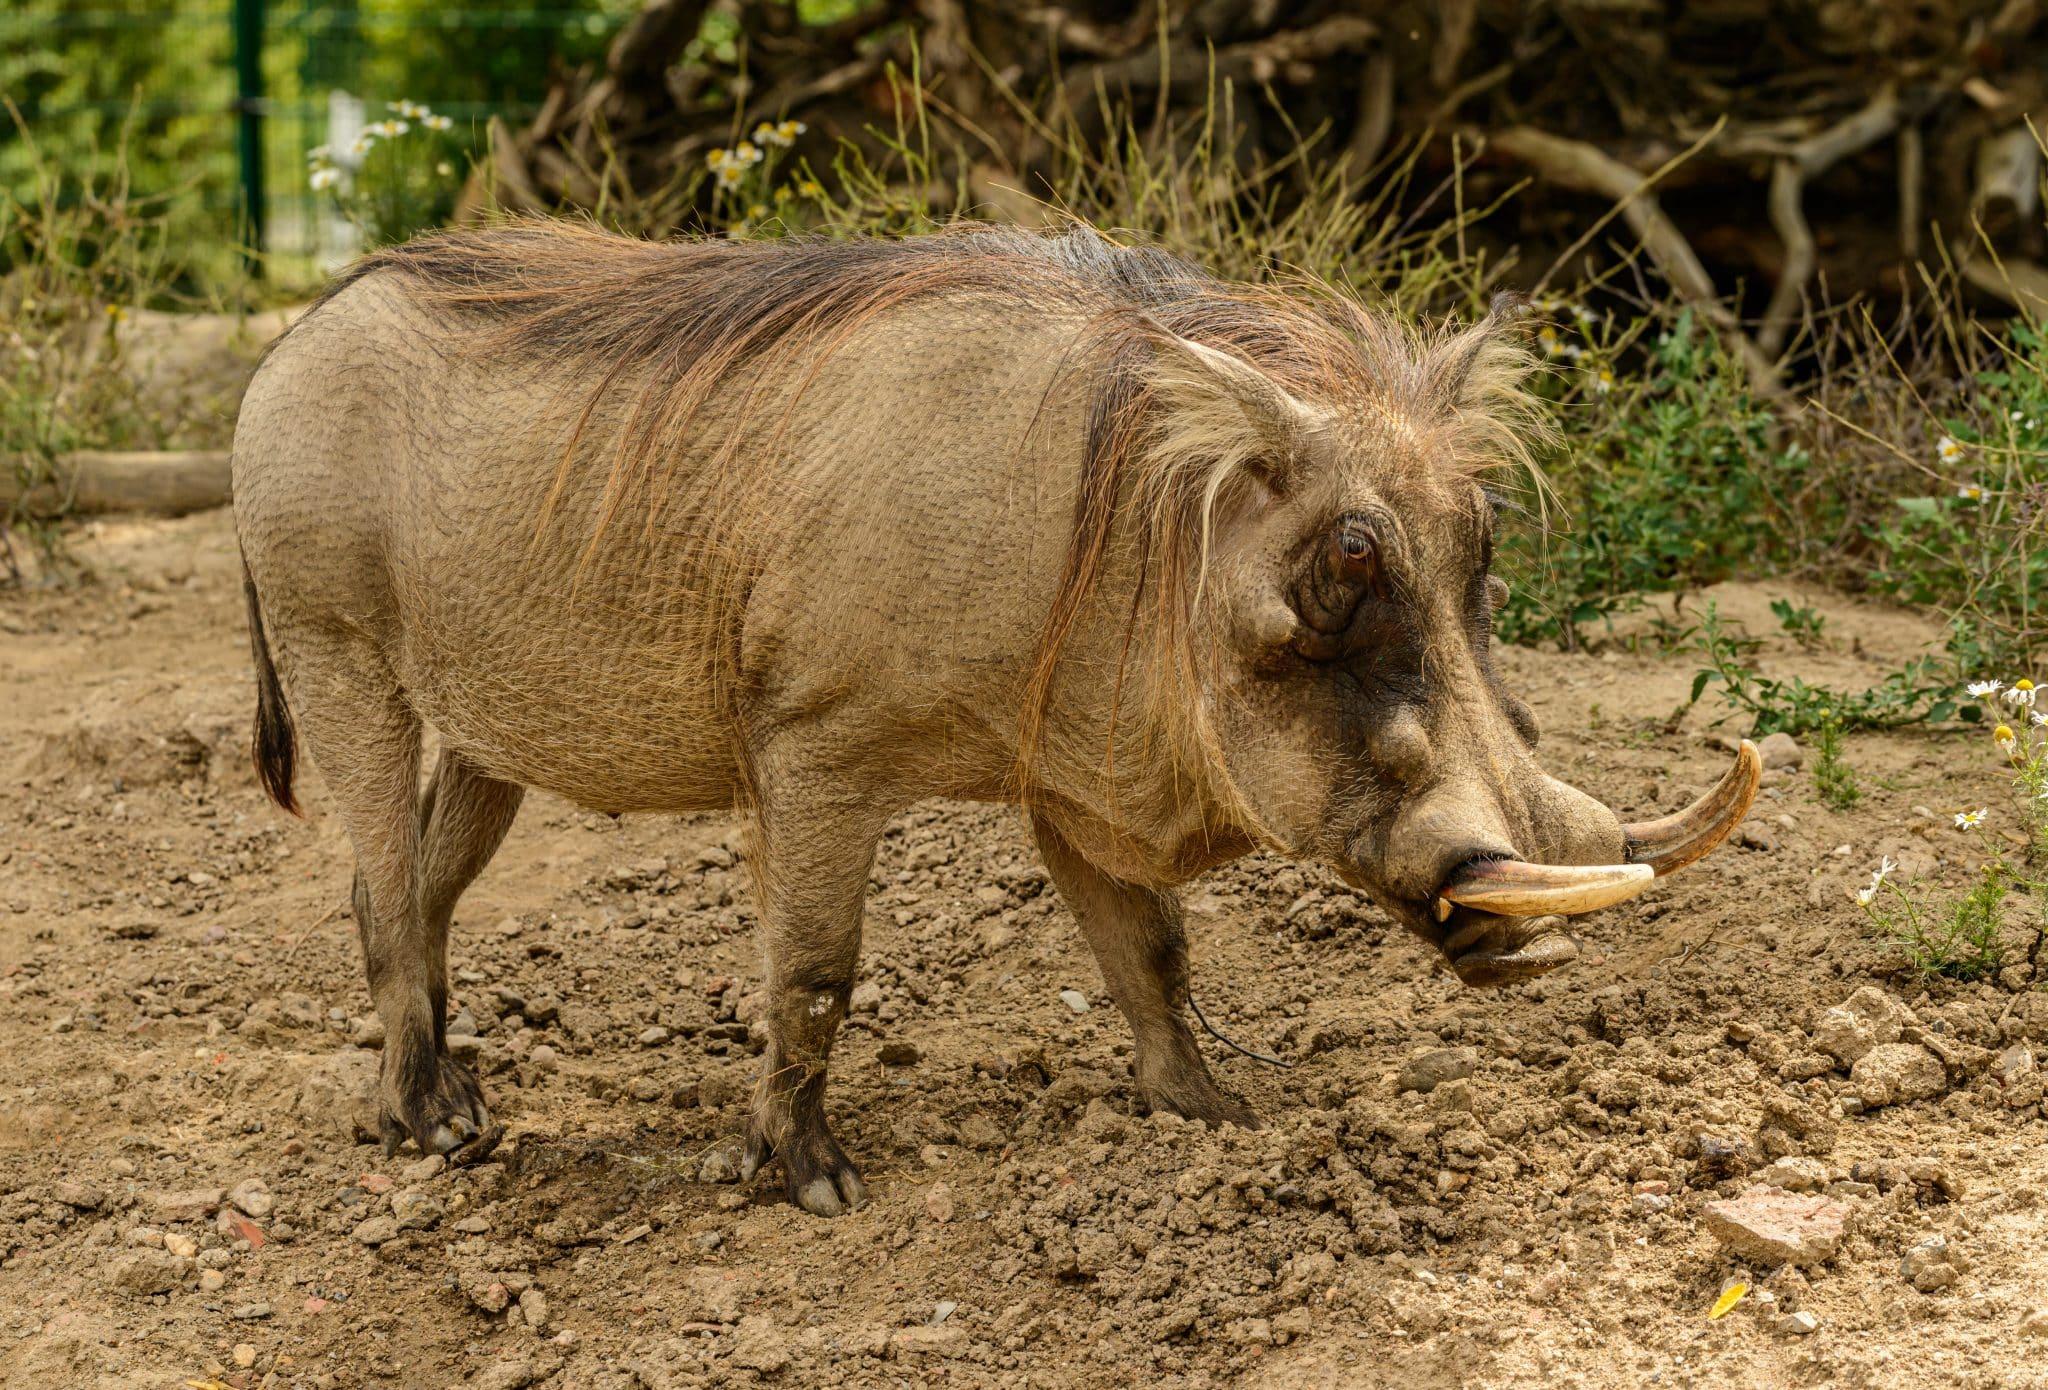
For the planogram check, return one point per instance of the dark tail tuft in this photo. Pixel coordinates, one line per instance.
(275, 745)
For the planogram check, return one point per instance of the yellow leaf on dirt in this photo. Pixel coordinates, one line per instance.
(1730, 1296)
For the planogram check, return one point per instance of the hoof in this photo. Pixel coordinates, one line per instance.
(442, 1112)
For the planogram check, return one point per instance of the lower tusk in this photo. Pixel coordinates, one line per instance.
(1674, 841)
(1509, 888)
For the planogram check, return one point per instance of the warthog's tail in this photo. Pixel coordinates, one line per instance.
(275, 745)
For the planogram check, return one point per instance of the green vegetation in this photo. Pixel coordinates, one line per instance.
(1833, 778)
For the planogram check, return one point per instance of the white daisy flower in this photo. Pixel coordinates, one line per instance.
(1877, 879)
(1947, 449)
(1970, 492)
(1970, 820)
(324, 178)
(432, 122)
(2020, 697)
(1603, 381)
(319, 154)
(1979, 689)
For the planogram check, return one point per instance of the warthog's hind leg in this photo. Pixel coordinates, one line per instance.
(812, 856)
(366, 742)
(1137, 939)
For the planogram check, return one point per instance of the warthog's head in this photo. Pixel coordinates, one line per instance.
(1344, 608)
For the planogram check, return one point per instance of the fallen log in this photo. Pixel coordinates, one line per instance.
(95, 482)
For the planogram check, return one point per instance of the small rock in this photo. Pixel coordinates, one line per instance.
(376, 1230)
(78, 1196)
(424, 1169)
(721, 1163)
(646, 1089)
(653, 1037)
(1795, 1174)
(253, 1312)
(759, 1345)
(1075, 1000)
(1432, 1069)
(938, 1202)
(252, 1197)
(505, 1375)
(194, 1204)
(1769, 1226)
(1800, 1324)
(895, 1053)
(533, 1306)
(416, 1211)
(367, 1031)
(1931, 1265)
(181, 1245)
(244, 1355)
(2035, 1322)
(1780, 750)
(544, 1057)
(212, 1280)
(1895, 1073)
(141, 1273)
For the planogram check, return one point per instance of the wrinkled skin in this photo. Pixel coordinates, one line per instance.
(876, 574)
(1365, 720)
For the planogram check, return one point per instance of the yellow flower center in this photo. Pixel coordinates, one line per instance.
(2022, 684)
(2002, 733)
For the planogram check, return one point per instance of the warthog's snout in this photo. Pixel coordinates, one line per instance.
(1500, 919)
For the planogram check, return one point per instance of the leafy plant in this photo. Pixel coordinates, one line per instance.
(1963, 942)
(1802, 624)
(1917, 693)
(396, 179)
(1833, 778)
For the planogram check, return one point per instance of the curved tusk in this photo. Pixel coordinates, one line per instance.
(1510, 888)
(1674, 841)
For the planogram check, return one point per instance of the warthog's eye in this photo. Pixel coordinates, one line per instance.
(1353, 555)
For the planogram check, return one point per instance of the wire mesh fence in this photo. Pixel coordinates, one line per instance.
(220, 101)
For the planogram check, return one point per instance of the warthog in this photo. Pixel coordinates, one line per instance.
(821, 528)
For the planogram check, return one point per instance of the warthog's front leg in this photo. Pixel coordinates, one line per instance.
(1137, 939)
(812, 857)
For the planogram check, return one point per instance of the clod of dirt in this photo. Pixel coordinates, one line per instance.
(1866, 1019)
(1769, 1226)
(1795, 1174)
(141, 1273)
(1432, 1069)
(1895, 1073)
(1932, 1264)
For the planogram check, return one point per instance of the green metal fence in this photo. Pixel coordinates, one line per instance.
(219, 101)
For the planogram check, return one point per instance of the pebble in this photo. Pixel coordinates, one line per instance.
(1800, 1324)
(900, 1054)
(145, 1272)
(252, 1197)
(938, 1202)
(181, 1245)
(193, 1204)
(1931, 1265)
(1780, 750)
(544, 1057)
(2035, 1322)
(721, 1164)
(1075, 1000)
(245, 1355)
(1769, 1226)
(1432, 1069)
(212, 1280)
(253, 1312)
(78, 1196)
(414, 1211)
(376, 1230)
(653, 1037)
(424, 1169)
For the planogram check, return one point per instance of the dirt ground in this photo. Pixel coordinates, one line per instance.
(186, 1199)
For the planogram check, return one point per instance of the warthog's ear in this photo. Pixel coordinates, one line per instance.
(1246, 414)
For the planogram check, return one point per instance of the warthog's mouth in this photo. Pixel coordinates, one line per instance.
(1503, 920)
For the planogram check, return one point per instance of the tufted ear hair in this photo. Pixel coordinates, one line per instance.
(1242, 413)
